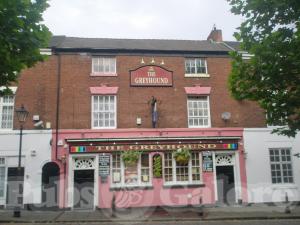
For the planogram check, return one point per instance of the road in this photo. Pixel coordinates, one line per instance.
(228, 222)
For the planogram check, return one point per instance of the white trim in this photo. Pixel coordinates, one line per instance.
(9, 104)
(92, 112)
(99, 73)
(236, 175)
(71, 178)
(208, 112)
(196, 75)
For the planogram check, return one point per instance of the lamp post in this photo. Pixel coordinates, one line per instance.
(22, 114)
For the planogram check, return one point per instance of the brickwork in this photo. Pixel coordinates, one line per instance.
(38, 85)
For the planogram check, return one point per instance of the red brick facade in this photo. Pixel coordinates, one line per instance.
(38, 86)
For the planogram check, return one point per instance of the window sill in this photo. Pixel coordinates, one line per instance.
(199, 127)
(176, 186)
(103, 74)
(130, 188)
(104, 128)
(197, 75)
(284, 186)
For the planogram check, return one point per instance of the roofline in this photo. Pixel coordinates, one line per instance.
(137, 51)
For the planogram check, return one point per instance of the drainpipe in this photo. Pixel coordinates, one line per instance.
(57, 103)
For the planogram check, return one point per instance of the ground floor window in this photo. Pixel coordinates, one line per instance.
(133, 175)
(281, 166)
(182, 173)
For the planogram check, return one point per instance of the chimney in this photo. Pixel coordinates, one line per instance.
(215, 35)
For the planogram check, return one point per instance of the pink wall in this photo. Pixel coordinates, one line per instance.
(158, 195)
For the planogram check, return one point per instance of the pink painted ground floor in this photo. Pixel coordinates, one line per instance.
(94, 172)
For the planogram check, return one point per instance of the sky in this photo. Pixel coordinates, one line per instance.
(141, 19)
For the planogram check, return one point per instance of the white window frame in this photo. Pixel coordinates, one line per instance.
(174, 178)
(115, 112)
(2, 104)
(208, 113)
(103, 60)
(139, 170)
(280, 163)
(196, 74)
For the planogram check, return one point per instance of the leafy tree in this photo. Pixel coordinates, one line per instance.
(270, 32)
(21, 37)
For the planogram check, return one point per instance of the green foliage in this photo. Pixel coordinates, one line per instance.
(182, 155)
(271, 32)
(21, 37)
(157, 166)
(130, 158)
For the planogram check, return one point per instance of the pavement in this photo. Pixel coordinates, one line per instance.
(212, 213)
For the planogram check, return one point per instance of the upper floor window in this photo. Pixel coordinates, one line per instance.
(133, 175)
(104, 111)
(281, 166)
(182, 174)
(198, 111)
(6, 112)
(104, 66)
(196, 67)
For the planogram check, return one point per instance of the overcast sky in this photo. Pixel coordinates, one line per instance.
(158, 19)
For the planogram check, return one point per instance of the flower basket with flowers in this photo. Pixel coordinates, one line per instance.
(130, 158)
(182, 156)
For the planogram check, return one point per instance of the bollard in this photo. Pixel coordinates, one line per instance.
(200, 213)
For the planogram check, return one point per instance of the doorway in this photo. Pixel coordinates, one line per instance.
(15, 183)
(83, 189)
(50, 185)
(225, 185)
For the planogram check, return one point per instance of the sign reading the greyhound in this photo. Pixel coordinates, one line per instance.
(151, 76)
(151, 147)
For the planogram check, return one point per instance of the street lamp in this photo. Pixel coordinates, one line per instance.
(22, 114)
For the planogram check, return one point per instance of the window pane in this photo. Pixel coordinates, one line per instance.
(198, 113)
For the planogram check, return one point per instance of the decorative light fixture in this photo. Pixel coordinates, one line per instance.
(142, 61)
(162, 62)
(152, 60)
(22, 114)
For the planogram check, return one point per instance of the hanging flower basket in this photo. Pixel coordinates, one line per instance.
(182, 156)
(130, 158)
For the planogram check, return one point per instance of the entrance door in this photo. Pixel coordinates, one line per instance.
(15, 181)
(50, 185)
(83, 189)
(225, 184)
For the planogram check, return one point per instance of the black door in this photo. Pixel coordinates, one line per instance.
(50, 185)
(15, 182)
(225, 185)
(83, 189)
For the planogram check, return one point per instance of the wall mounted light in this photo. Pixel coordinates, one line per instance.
(152, 60)
(162, 62)
(142, 61)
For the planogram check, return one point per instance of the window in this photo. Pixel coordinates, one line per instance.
(104, 111)
(2, 177)
(198, 111)
(6, 112)
(182, 174)
(104, 66)
(138, 175)
(196, 67)
(281, 166)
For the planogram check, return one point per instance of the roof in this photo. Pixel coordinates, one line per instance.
(64, 42)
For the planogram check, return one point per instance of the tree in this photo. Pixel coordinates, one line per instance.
(21, 37)
(271, 34)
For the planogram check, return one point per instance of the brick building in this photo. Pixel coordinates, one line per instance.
(105, 97)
